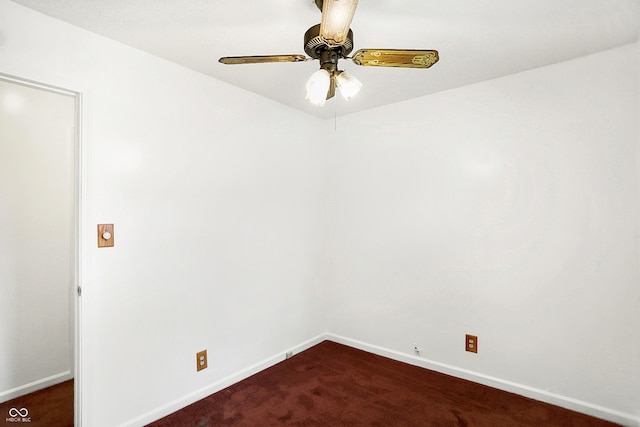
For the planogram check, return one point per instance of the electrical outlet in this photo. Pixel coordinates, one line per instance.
(471, 343)
(288, 355)
(201, 360)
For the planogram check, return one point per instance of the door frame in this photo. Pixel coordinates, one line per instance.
(79, 226)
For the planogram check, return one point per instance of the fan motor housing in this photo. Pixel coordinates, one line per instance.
(314, 44)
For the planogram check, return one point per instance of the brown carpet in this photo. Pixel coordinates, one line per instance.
(49, 407)
(335, 385)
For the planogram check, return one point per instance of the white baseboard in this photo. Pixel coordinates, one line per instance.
(498, 383)
(35, 386)
(197, 395)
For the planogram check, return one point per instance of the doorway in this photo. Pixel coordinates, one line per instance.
(39, 252)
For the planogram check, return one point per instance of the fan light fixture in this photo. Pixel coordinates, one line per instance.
(336, 19)
(318, 86)
(348, 85)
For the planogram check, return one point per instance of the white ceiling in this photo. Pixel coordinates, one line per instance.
(477, 40)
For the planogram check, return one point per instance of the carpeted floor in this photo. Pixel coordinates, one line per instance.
(49, 407)
(335, 385)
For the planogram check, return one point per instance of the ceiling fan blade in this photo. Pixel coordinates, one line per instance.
(261, 59)
(336, 20)
(395, 58)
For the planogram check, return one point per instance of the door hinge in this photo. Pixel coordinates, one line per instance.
(79, 291)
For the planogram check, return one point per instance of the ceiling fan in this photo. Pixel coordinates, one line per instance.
(332, 40)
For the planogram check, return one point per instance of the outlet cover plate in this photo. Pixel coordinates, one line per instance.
(201, 360)
(471, 343)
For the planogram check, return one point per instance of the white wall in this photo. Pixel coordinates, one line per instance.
(508, 210)
(36, 238)
(215, 194)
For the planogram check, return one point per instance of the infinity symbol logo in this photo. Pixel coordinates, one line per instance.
(23, 412)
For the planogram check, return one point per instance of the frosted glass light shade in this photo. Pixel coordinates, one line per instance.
(336, 20)
(318, 86)
(349, 86)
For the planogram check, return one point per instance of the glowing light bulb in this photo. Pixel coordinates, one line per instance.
(349, 86)
(317, 87)
(336, 19)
